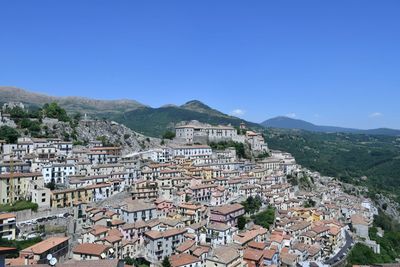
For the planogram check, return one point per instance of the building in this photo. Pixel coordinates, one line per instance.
(203, 133)
(360, 225)
(185, 260)
(17, 186)
(7, 226)
(138, 210)
(57, 173)
(56, 246)
(227, 214)
(225, 256)
(91, 251)
(5, 251)
(162, 244)
(41, 196)
(194, 151)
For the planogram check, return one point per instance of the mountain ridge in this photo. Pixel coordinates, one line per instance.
(284, 122)
(155, 121)
(70, 103)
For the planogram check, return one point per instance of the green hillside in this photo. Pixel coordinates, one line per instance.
(155, 121)
(346, 156)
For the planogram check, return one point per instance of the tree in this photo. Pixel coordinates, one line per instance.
(166, 262)
(10, 135)
(51, 185)
(168, 135)
(309, 203)
(53, 110)
(265, 218)
(241, 222)
(77, 117)
(252, 204)
(129, 261)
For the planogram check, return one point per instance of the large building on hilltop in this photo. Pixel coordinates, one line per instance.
(196, 132)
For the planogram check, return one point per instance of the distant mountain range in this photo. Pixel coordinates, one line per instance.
(155, 121)
(290, 123)
(70, 103)
(137, 116)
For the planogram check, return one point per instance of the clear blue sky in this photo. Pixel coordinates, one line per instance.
(328, 62)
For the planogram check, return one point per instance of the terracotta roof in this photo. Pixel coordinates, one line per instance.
(358, 219)
(112, 238)
(6, 250)
(183, 259)
(252, 254)
(167, 233)
(98, 230)
(224, 254)
(45, 245)
(5, 216)
(257, 245)
(185, 246)
(226, 209)
(269, 254)
(90, 249)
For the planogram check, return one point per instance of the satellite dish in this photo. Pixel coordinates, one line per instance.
(53, 261)
(49, 257)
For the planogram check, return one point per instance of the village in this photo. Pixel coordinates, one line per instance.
(184, 204)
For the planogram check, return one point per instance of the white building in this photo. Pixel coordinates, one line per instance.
(57, 172)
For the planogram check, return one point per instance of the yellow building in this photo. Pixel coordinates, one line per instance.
(68, 197)
(17, 186)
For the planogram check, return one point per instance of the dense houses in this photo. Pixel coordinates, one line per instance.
(182, 202)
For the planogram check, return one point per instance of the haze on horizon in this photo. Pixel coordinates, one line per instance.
(328, 63)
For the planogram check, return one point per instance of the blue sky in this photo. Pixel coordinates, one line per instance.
(328, 62)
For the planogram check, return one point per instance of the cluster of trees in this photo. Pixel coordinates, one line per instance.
(31, 121)
(138, 262)
(252, 204)
(168, 135)
(19, 205)
(265, 218)
(53, 110)
(10, 135)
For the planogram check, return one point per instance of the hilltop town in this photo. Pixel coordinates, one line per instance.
(205, 196)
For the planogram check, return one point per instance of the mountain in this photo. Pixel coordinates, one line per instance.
(195, 105)
(290, 123)
(139, 117)
(155, 121)
(99, 108)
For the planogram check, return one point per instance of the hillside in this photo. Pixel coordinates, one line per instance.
(155, 121)
(345, 155)
(283, 122)
(144, 119)
(98, 108)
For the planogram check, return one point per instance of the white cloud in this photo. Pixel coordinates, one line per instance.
(291, 115)
(375, 115)
(238, 112)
